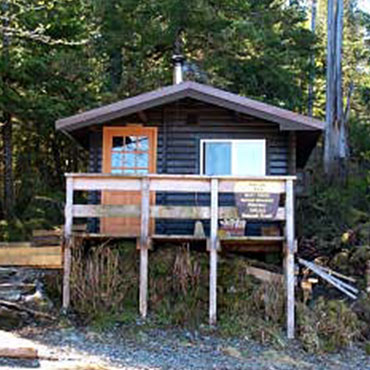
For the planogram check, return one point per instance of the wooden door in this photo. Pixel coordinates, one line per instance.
(127, 150)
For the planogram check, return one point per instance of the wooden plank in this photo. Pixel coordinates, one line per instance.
(289, 215)
(213, 253)
(289, 258)
(185, 183)
(177, 177)
(251, 248)
(251, 186)
(15, 245)
(110, 183)
(47, 233)
(202, 213)
(47, 257)
(144, 245)
(335, 273)
(46, 241)
(178, 237)
(171, 212)
(180, 185)
(265, 275)
(68, 239)
(254, 239)
(212, 286)
(289, 281)
(28, 353)
(143, 294)
(67, 262)
(145, 212)
(103, 210)
(83, 235)
(68, 211)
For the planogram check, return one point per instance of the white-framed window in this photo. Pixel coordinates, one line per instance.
(233, 157)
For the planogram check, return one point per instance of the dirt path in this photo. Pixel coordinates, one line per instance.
(127, 348)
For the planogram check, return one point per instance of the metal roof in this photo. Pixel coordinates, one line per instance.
(287, 120)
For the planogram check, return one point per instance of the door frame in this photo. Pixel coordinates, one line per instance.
(130, 130)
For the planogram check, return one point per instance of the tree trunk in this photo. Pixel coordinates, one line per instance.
(328, 154)
(7, 127)
(311, 91)
(8, 167)
(336, 143)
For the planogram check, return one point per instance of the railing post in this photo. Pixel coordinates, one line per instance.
(68, 214)
(289, 258)
(144, 246)
(213, 253)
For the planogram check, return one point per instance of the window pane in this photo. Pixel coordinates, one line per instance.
(117, 159)
(142, 160)
(117, 143)
(130, 160)
(217, 158)
(249, 158)
(143, 143)
(130, 142)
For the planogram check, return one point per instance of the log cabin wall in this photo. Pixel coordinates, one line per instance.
(181, 126)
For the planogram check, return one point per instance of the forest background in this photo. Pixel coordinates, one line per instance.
(62, 57)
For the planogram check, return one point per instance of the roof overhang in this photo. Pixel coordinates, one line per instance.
(287, 120)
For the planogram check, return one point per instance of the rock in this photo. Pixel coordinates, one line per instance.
(10, 319)
(25, 286)
(233, 352)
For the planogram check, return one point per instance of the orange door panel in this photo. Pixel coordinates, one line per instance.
(127, 150)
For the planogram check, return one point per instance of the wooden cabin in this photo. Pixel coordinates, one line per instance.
(190, 162)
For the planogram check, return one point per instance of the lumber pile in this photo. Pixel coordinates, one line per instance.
(332, 277)
(26, 353)
(265, 275)
(42, 238)
(25, 254)
(44, 250)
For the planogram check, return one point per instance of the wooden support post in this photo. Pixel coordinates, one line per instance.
(68, 214)
(213, 253)
(144, 246)
(289, 258)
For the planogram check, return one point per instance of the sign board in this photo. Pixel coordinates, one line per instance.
(259, 200)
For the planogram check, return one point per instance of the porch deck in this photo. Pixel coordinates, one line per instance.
(214, 185)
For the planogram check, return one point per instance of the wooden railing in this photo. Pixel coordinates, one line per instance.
(214, 185)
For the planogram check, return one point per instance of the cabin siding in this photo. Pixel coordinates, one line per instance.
(94, 166)
(178, 150)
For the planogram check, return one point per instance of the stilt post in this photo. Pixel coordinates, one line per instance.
(213, 253)
(68, 214)
(144, 246)
(289, 258)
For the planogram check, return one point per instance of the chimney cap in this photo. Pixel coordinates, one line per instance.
(178, 58)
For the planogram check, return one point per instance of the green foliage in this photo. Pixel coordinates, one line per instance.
(330, 211)
(178, 282)
(260, 49)
(328, 326)
(104, 282)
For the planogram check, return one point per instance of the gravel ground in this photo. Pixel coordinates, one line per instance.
(143, 348)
